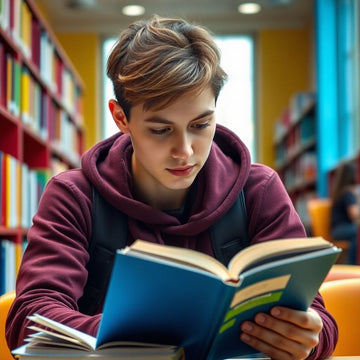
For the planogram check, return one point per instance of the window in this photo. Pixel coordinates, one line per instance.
(235, 107)
(108, 126)
(338, 125)
(347, 53)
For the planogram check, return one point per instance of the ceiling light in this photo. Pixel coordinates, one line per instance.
(133, 10)
(280, 2)
(249, 8)
(81, 4)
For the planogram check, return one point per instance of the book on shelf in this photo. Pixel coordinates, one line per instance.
(25, 95)
(3, 72)
(35, 42)
(9, 252)
(20, 191)
(11, 191)
(4, 15)
(25, 29)
(9, 81)
(2, 190)
(15, 21)
(181, 297)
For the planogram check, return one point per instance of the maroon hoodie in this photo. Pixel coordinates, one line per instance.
(52, 274)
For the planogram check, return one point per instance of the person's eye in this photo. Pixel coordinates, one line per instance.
(161, 131)
(202, 125)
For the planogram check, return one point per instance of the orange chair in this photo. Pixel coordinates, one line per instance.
(343, 271)
(319, 213)
(5, 303)
(342, 299)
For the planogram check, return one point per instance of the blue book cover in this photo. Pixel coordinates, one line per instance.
(159, 300)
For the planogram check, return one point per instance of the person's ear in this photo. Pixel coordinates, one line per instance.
(118, 115)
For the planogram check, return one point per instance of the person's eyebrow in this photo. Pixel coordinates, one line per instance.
(161, 120)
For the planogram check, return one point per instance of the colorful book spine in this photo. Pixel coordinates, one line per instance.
(25, 96)
(9, 82)
(3, 190)
(3, 77)
(2, 268)
(5, 14)
(33, 69)
(25, 28)
(8, 254)
(21, 189)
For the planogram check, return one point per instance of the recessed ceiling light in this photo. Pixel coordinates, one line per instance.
(133, 10)
(249, 8)
(81, 4)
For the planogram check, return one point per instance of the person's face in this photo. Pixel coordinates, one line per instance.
(170, 145)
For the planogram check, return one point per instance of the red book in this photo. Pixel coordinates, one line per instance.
(59, 68)
(11, 16)
(35, 42)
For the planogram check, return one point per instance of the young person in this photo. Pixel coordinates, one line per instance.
(174, 173)
(345, 212)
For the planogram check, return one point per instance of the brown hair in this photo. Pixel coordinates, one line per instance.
(158, 60)
(345, 177)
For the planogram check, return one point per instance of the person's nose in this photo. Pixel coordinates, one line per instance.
(182, 147)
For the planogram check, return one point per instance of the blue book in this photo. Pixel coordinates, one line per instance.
(182, 297)
(189, 302)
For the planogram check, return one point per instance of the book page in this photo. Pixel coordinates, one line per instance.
(246, 257)
(87, 340)
(180, 255)
(274, 248)
(55, 338)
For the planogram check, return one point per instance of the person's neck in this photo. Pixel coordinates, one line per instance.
(160, 198)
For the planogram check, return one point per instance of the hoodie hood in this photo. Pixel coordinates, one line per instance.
(107, 166)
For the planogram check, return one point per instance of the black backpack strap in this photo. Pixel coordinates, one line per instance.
(109, 233)
(230, 234)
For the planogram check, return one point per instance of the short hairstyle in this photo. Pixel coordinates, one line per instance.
(157, 60)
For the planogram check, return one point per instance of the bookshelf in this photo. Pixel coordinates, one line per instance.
(41, 125)
(295, 143)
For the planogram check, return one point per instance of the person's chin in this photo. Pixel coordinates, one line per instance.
(182, 184)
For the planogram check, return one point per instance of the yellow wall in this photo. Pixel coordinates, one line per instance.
(84, 52)
(284, 67)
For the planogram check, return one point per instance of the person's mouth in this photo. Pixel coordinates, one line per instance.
(181, 170)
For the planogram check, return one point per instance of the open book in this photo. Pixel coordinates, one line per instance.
(249, 257)
(179, 297)
(55, 340)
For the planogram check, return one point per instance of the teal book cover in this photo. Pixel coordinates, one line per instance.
(156, 300)
(291, 284)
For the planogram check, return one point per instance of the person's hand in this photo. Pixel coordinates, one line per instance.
(284, 334)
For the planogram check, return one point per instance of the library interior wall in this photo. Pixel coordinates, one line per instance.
(84, 51)
(284, 63)
(284, 68)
